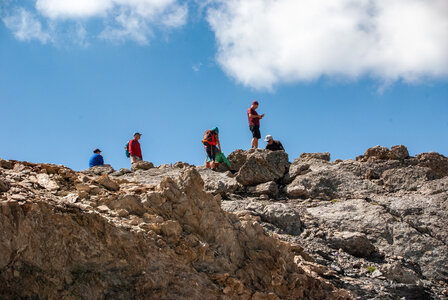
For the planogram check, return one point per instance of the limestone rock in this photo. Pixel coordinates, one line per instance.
(99, 170)
(398, 152)
(376, 152)
(262, 166)
(131, 203)
(323, 156)
(435, 161)
(142, 165)
(237, 159)
(398, 273)
(47, 182)
(269, 188)
(409, 178)
(108, 183)
(355, 243)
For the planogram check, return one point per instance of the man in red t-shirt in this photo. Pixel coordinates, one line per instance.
(134, 148)
(254, 123)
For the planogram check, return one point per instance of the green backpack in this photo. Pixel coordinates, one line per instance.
(126, 150)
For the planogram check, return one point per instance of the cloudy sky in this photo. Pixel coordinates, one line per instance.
(334, 76)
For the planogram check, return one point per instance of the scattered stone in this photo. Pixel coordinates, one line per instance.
(45, 181)
(108, 183)
(103, 208)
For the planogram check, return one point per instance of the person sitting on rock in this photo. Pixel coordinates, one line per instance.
(97, 159)
(273, 145)
(210, 141)
(134, 148)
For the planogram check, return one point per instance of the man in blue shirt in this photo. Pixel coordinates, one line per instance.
(96, 159)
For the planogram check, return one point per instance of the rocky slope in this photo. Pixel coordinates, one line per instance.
(370, 228)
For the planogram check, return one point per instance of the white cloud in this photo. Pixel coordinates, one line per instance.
(26, 26)
(123, 19)
(262, 43)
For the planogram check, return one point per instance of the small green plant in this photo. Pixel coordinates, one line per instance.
(334, 200)
(371, 269)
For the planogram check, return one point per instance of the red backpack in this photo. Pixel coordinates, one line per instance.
(209, 138)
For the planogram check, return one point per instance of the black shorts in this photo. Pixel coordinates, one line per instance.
(211, 152)
(255, 129)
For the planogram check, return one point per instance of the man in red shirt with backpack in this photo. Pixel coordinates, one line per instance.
(134, 148)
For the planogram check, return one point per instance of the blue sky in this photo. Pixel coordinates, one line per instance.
(76, 76)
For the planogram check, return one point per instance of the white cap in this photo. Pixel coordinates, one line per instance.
(268, 138)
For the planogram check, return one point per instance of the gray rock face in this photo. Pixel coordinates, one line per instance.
(409, 178)
(280, 215)
(393, 235)
(326, 180)
(262, 166)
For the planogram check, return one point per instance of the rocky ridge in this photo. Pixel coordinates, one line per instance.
(370, 228)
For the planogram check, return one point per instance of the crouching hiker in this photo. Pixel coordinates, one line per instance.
(210, 141)
(273, 145)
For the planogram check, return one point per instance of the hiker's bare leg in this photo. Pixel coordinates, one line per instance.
(254, 143)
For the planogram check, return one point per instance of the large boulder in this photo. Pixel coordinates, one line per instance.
(262, 166)
(237, 159)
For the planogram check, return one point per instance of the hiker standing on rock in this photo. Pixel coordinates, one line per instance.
(210, 141)
(254, 123)
(97, 159)
(273, 145)
(134, 148)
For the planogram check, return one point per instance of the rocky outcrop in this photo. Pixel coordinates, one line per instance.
(375, 226)
(168, 241)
